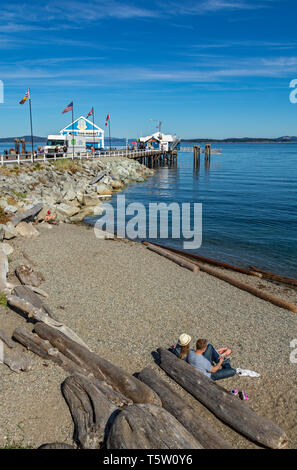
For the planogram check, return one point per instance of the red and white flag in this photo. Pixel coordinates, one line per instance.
(107, 119)
(91, 113)
(68, 108)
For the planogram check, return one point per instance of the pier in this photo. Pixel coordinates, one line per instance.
(152, 158)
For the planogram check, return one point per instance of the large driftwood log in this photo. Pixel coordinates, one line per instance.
(13, 359)
(92, 413)
(208, 437)
(5, 286)
(275, 277)
(27, 276)
(102, 369)
(148, 426)
(243, 286)
(225, 406)
(98, 177)
(193, 257)
(6, 339)
(44, 349)
(40, 315)
(27, 215)
(56, 445)
(176, 259)
(25, 293)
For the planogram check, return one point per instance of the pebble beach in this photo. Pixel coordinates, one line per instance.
(124, 302)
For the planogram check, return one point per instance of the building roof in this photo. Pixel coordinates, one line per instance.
(159, 136)
(80, 125)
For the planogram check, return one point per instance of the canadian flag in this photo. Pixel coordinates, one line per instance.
(107, 119)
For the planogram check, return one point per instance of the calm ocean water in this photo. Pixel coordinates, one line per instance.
(249, 197)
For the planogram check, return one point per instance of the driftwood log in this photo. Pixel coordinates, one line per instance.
(225, 406)
(27, 276)
(176, 259)
(16, 361)
(102, 369)
(27, 215)
(149, 426)
(92, 413)
(44, 349)
(208, 437)
(40, 315)
(6, 340)
(275, 277)
(193, 257)
(56, 445)
(243, 286)
(25, 293)
(98, 177)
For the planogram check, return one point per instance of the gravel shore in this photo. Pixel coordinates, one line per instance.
(125, 302)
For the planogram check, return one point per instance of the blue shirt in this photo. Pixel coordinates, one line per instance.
(199, 362)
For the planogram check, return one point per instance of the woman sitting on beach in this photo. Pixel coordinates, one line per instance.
(182, 348)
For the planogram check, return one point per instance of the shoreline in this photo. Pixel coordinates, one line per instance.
(95, 286)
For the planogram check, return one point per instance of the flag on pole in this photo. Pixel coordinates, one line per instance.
(26, 97)
(68, 108)
(107, 119)
(91, 113)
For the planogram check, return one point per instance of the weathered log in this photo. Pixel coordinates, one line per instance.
(102, 369)
(98, 177)
(25, 293)
(176, 259)
(193, 257)
(275, 277)
(13, 359)
(208, 437)
(40, 315)
(225, 406)
(92, 413)
(44, 349)
(27, 215)
(246, 287)
(27, 276)
(5, 286)
(56, 445)
(6, 340)
(147, 426)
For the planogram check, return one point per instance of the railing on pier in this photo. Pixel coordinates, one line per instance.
(34, 158)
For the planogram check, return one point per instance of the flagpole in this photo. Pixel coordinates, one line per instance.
(31, 123)
(72, 129)
(94, 128)
(109, 133)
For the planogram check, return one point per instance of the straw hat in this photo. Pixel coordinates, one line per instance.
(184, 339)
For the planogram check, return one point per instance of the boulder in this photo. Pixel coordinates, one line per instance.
(70, 195)
(90, 201)
(8, 250)
(80, 196)
(66, 210)
(9, 231)
(97, 210)
(103, 189)
(27, 230)
(85, 212)
(116, 184)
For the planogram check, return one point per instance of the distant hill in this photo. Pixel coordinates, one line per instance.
(26, 137)
(287, 139)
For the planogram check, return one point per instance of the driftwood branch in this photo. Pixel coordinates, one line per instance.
(6, 339)
(225, 406)
(13, 359)
(26, 215)
(208, 437)
(40, 315)
(148, 426)
(102, 369)
(176, 259)
(92, 413)
(27, 276)
(26, 293)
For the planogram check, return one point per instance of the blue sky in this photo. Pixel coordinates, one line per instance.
(206, 68)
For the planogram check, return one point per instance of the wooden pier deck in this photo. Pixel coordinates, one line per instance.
(151, 158)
